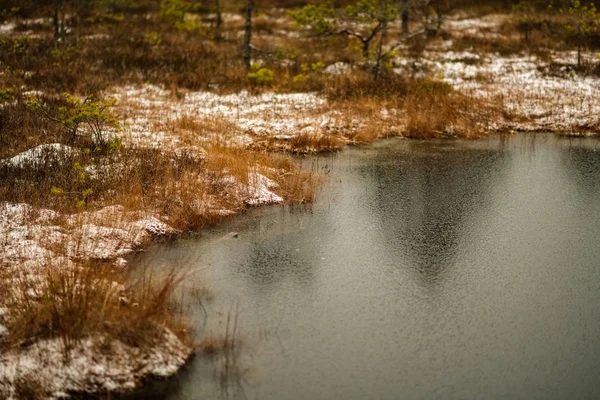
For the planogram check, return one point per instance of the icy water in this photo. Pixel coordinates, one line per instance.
(426, 270)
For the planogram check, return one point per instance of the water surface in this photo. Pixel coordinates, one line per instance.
(426, 270)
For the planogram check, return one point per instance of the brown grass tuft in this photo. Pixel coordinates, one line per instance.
(72, 302)
(314, 142)
(451, 115)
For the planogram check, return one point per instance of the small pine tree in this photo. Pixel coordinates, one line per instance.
(524, 10)
(322, 20)
(585, 20)
(90, 113)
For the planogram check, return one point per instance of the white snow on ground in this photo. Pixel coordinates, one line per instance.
(36, 21)
(531, 97)
(243, 115)
(2, 327)
(29, 235)
(32, 240)
(485, 26)
(97, 36)
(267, 113)
(10, 27)
(34, 93)
(37, 154)
(102, 242)
(154, 226)
(34, 236)
(95, 365)
(259, 190)
(338, 68)
(7, 27)
(22, 230)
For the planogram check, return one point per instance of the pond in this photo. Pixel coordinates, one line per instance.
(425, 270)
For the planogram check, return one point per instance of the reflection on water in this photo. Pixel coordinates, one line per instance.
(425, 270)
(424, 196)
(583, 166)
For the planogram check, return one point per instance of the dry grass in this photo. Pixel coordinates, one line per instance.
(67, 307)
(129, 176)
(30, 388)
(302, 187)
(295, 184)
(192, 130)
(181, 187)
(314, 142)
(20, 129)
(420, 108)
(72, 302)
(440, 113)
(187, 189)
(365, 119)
(547, 31)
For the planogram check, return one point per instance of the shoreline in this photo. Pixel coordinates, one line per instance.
(164, 232)
(182, 158)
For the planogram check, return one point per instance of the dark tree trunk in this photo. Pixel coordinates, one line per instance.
(62, 19)
(55, 20)
(219, 13)
(83, 11)
(248, 34)
(382, 36)
(365, 49)
(404, 16)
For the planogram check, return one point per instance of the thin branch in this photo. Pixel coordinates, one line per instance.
(357, 35)
(268, 53)
(48, 116)
(375, 31)
(407, 37)
(349, 33)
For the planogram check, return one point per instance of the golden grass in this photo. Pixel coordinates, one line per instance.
(295, 184)
(183, 188)
(420, 108)
(72, 302)
(366, 118)
(193, 130)
(448, 115)
(315, 142)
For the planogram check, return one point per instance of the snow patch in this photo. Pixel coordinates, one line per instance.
(532, 97)
(154, 226)
(260, 190)
(238, 119)
(339, 68)
(486, 26)
(7, 27)
(96, 364)
(38, 153)
(35, 236)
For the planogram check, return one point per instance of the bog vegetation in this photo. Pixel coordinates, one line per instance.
(180, 110)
